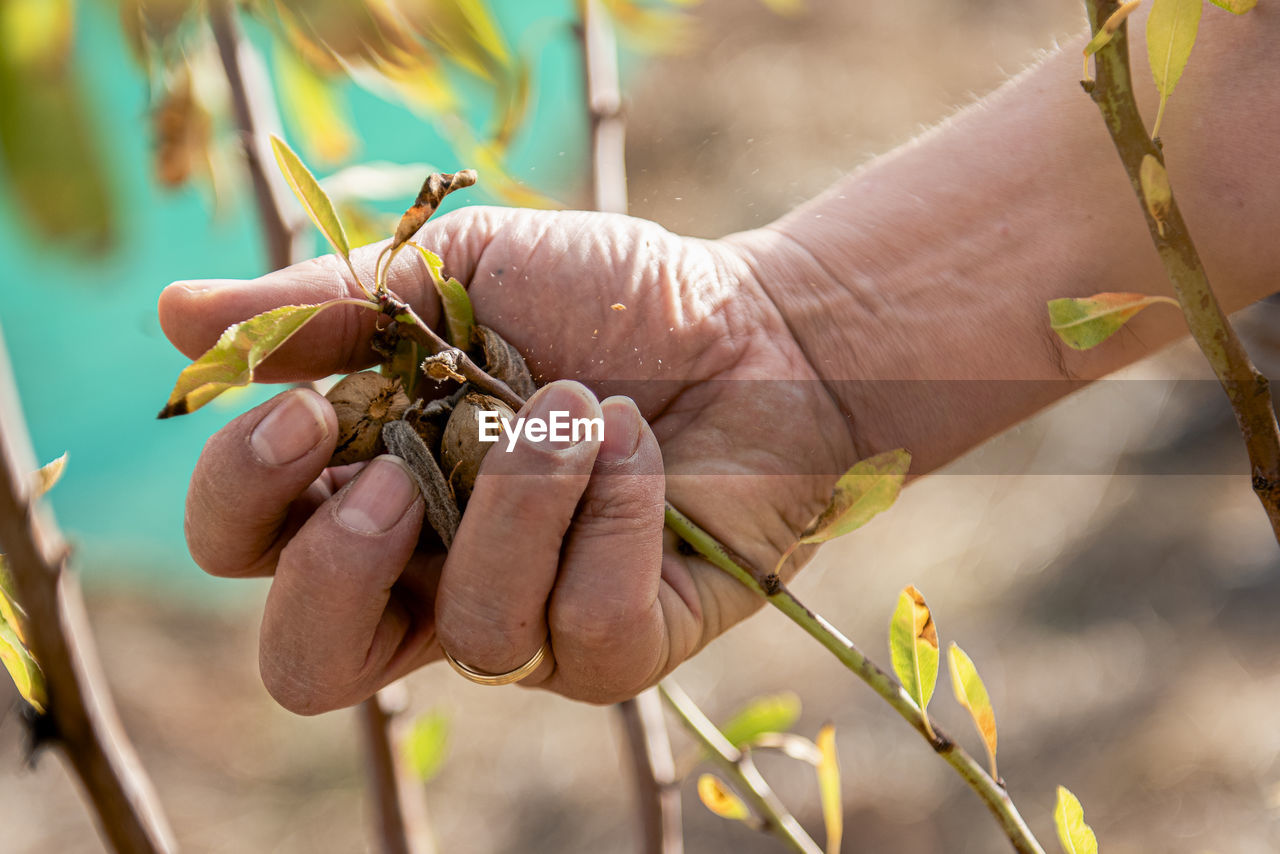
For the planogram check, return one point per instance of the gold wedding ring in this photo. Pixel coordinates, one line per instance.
(481, 678)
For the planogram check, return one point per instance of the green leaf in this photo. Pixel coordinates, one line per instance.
(51, 158)
(47, 475)
(716, 797)
(312, 197)
(1068, 816)
(10, 612)
(314, 107)
(1088, 321)
(1171, 33)
(972, 694)
(242, 347)
(22, 667)
(769, 713)
(459, 316)
(913, 647)
(863, 492)
(1107, 31)
(829, 788)
(1235, 7)
(427, 744)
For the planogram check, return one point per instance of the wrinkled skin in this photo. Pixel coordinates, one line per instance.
(577, 554)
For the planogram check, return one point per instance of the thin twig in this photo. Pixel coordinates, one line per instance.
(1248, 391)
(402, 827)
(281, 239)
(81, 716)
(604, 105)
(654, 770)
(645, 729)
(991, 791)
(776, 819)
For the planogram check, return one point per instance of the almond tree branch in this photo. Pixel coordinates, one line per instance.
(81, 716)
(402, 825)
(767, 585)
(649, 746)
(1248, 391)
(776, 819)
(280, 237)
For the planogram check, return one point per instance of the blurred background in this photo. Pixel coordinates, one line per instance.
(1123, 618)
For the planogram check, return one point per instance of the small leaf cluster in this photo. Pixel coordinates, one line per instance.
(14, 652)
(1085, 322)
(764, 724)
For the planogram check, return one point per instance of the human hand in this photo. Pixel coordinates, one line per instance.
(718, 396)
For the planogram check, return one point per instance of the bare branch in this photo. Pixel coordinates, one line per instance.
(402, 825)
(81, 716)
(280, 237)
(777, 820)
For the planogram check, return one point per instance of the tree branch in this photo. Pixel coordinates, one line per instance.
(280, 237)
(777, 820)
(645, 729)
(81, 716)
(604, 107)
(993, 793)
(1248, 391)
(402, 825)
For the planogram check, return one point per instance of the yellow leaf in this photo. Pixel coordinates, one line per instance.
(1088, 321)
(786, 8)
(1171, 32)
(22, 667)
(862, 493)
(913, 648)
(312, 197)
(455, 302)
(829, 787)
(1157, 195)
(312, 104)
(48, 474)
(1068, 816)
(1236, 7)
(1107, 31)
(716, 797)
(426, 745)
(972, 694)
(52, 164)
(10, 612)
(232, 361)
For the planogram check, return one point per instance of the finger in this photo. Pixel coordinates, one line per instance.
(331, 630)
(193, 314)
(607, 623)
(491, 608)
(253, 475)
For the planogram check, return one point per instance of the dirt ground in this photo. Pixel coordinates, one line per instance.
(1124, 620)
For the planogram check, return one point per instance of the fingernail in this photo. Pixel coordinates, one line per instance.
(621, 429)
(378, 497)
(295, 426)
(557, 406)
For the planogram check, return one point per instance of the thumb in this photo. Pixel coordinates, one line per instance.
(194, 313)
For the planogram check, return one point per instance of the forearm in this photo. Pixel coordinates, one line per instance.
(933, 264)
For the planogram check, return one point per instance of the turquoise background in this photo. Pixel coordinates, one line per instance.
(92, 365)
